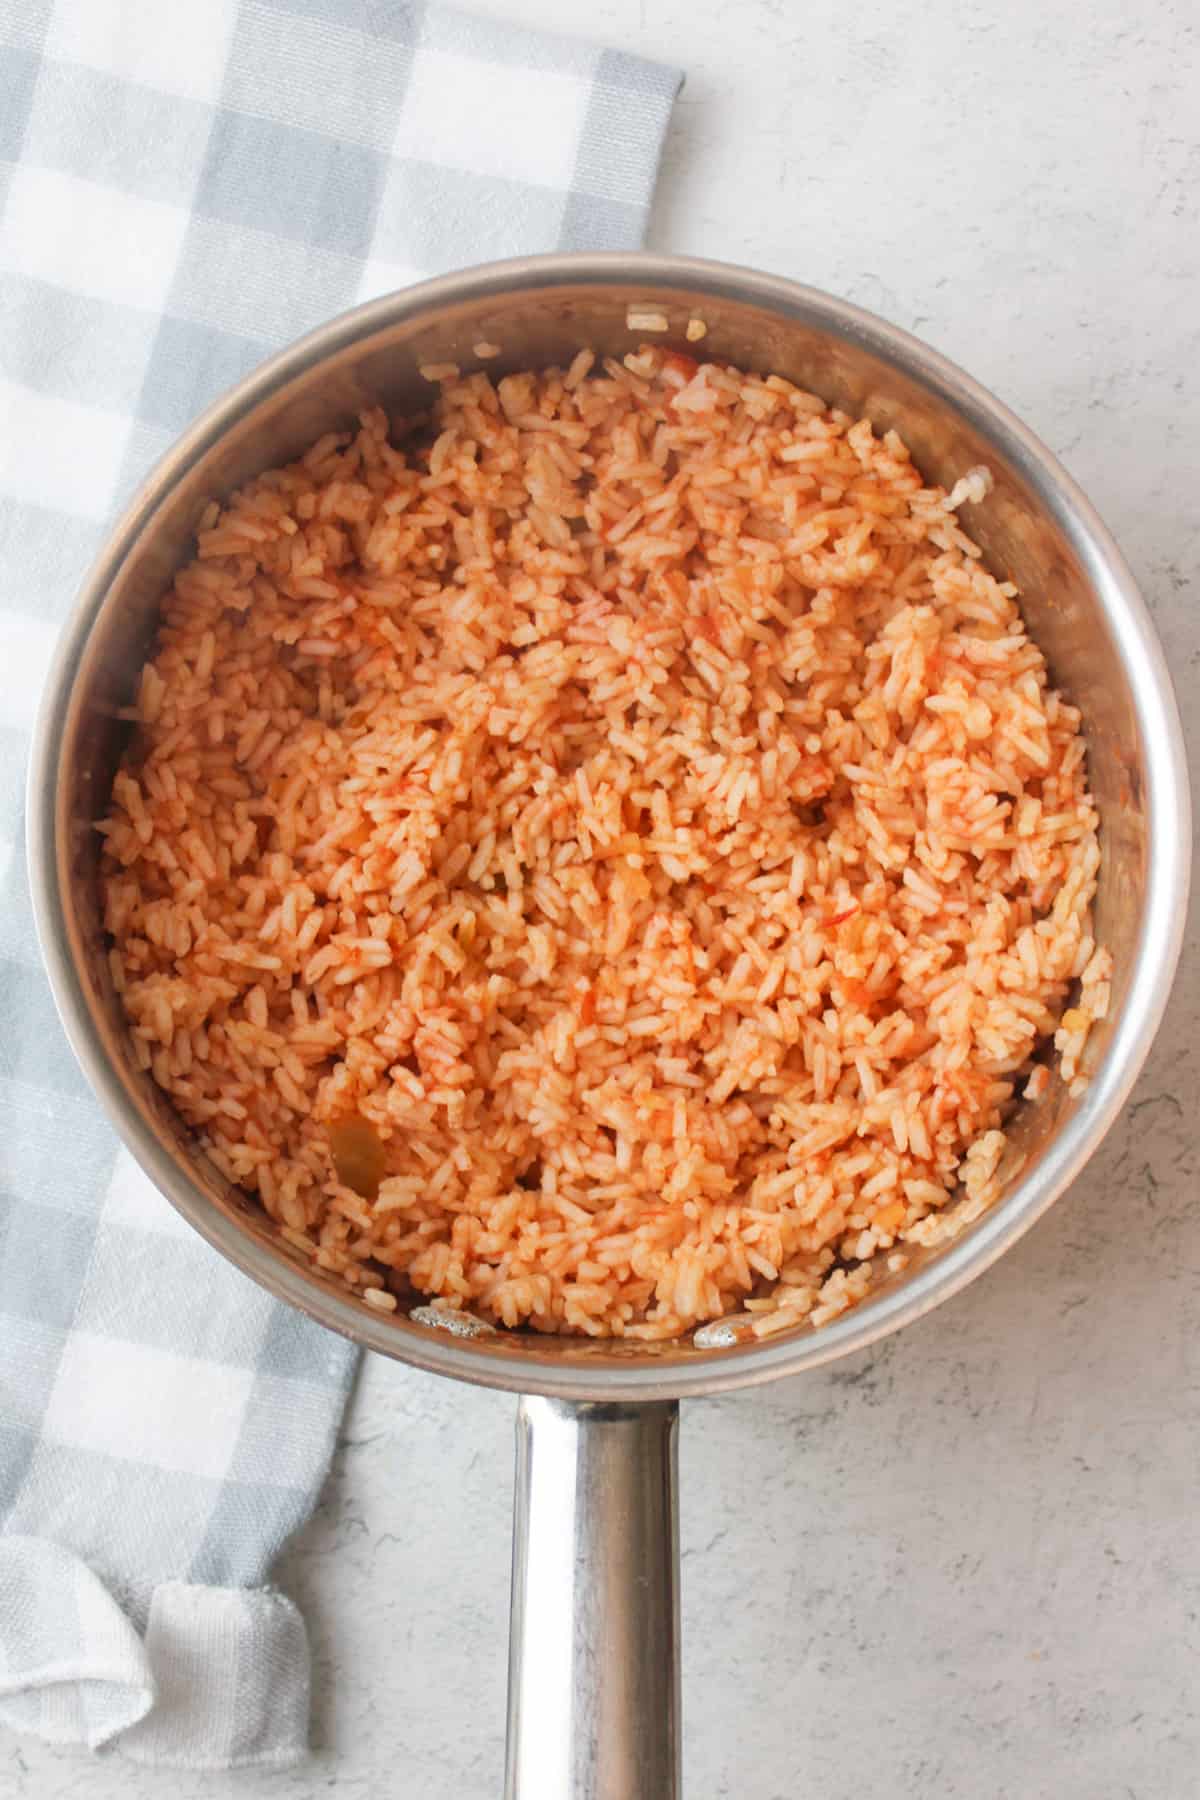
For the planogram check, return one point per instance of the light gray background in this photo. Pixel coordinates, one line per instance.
(964, 1563)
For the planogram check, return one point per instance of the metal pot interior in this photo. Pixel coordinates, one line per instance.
(1032, 528)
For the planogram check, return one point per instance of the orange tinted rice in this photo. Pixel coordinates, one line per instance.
(633, 814)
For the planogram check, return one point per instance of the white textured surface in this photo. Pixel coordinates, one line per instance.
(962, 1564)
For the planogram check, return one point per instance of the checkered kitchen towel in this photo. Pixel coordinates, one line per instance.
(182, 189)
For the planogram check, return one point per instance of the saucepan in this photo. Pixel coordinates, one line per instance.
(594, 1660)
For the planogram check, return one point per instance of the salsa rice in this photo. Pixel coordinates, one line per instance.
(606, 862)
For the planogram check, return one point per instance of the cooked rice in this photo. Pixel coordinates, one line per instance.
(639, 319)
(639, 812)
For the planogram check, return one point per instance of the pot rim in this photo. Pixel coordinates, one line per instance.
(1159, 940)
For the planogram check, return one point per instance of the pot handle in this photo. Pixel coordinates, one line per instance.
(593, 1659)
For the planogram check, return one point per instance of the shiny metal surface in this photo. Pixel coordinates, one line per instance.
(1035, 525)
(593, 1659)
(576, 1578)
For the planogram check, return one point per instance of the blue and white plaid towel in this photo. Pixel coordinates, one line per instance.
(183, 189)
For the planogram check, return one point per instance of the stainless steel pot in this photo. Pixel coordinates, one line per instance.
(593, 1706)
